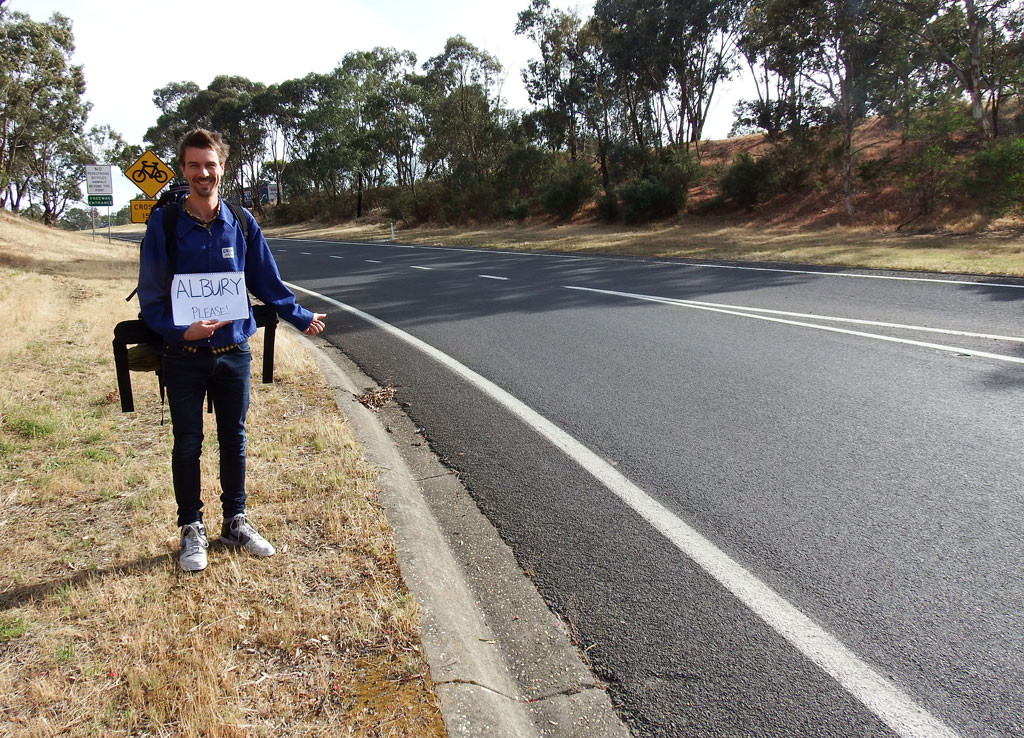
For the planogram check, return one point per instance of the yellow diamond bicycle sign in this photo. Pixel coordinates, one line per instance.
(149, 173)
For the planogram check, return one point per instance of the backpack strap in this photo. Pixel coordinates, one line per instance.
(170, 240)
(243, 221)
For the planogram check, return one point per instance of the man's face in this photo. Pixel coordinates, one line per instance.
(202, 170)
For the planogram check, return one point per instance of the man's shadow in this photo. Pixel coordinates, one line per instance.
(22, 595)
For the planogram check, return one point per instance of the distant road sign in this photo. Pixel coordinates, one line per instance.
(107, 200)
(149, 173)
(141, 209)
(98, 180)
(95, 213)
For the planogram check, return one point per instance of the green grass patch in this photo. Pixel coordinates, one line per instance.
(98, 454)
(65, 653)
(30, 427)
(11, 628)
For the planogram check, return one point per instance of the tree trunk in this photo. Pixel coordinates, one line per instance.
(974, 45)
(359, 194)
(602, 146)
(846, 105)
(969, 78)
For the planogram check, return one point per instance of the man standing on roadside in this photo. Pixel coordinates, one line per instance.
(210, 356)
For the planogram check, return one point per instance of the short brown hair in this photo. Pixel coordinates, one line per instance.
(200, 138)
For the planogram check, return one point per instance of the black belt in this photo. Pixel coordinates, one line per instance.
(208, 349)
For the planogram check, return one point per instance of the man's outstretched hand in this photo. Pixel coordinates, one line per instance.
(317, 326)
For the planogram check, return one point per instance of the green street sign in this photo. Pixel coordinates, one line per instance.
(107, 200)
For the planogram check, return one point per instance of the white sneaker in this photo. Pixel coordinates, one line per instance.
(193, 547)
(238, 531)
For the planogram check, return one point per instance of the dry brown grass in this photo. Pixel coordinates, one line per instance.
(100, 633)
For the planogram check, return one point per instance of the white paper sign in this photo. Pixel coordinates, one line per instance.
(213, 296)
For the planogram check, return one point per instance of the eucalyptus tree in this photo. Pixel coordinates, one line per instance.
(229, 105)
(268, 107)
(1005, 66)
(629, 32)
(670, 57)
(324, 134)
(557, 82)
(172, 101)
(829, 46)
(700, 37)
(967, 37)
(42, 110)
(392, 115)
(465, 124)
(378, 122)
(603, 109)
(461, 102)
(294, 100)
(58, 170)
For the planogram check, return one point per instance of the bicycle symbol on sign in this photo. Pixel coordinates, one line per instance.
(149, 170)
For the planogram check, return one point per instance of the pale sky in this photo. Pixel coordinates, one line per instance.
(130, 48)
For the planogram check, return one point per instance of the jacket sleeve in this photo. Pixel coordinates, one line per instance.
(155, 282)
(263, 279)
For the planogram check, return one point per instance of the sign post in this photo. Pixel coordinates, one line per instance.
(100, 188)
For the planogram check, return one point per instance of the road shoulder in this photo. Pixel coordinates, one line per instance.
(501, 662)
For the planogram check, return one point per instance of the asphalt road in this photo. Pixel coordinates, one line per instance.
(758, 519)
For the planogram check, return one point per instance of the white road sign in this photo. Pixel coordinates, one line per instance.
(98, 180)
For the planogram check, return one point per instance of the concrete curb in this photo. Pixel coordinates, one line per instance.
(501, 663)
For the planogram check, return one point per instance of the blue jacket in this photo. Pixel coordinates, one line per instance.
(201, 250)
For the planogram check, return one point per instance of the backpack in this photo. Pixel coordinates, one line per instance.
(146, 344)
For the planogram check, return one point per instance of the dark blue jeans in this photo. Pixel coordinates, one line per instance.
(188, 378)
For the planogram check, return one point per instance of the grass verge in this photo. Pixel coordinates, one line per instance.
(100, 633)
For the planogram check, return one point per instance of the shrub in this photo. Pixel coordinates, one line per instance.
(797, 161)
(517, 210)
(662, 191)
(749, 181)
(570, 186)
(874, 172)
(678, 169)
(929, 176)
(424, 204)
(299, 210)
(608, 207)
(645, 199)
(997, 174)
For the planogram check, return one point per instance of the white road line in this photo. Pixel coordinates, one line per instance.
(336, 257)
(306, 253)
(857, 321)
(373, 261)
(874, 690)
(491, 276)
(840, 274)
(740, 311)
(426, 269)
